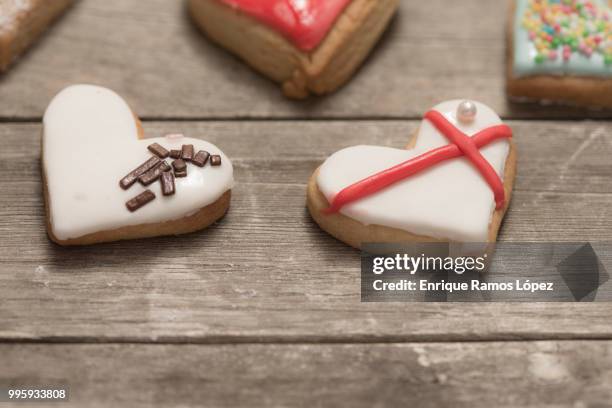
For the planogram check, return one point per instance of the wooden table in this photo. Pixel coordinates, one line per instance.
(264, 308)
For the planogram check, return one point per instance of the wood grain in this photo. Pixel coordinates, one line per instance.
(266, 273)
(474, 375)
(158, 60)
(252, 311)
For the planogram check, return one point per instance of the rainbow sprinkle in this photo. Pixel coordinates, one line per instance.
(560, 28)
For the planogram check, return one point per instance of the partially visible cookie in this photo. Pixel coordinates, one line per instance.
(560, 51)
(311, 47)
(22, 22)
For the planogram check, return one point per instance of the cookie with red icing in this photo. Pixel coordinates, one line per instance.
(453, 183)
(309, 46)
(22, 22)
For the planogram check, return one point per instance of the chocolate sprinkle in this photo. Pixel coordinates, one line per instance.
(201, 158)
(158, 150)
(181, 173)
(179, 165)
(131, 178)
(187, 152)
(167, 182)
(175, 154)
(153, 174)
(215, 160)
(140, 200)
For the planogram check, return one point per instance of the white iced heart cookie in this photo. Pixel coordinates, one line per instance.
(453, 184)
(91, 141)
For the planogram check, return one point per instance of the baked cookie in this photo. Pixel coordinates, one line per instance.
(453, 184)
(22, 22)
(560, 51)
(104, 182)
(310, 47)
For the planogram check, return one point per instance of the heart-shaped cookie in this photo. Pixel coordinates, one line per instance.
(95, 188)
(453, 183)
(310, 46)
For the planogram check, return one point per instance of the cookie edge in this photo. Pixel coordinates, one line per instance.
(30, 27)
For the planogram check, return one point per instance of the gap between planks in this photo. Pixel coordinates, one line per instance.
(311, 340)
(390, 118)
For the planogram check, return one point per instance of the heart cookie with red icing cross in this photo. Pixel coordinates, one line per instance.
(454, 183)
(104, 182)
(309, 46)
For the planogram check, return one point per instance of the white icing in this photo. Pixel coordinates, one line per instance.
(447, 201)
(90, 142)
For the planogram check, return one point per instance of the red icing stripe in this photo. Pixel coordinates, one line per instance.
(470, 150)
(304, 22)
(461, 145)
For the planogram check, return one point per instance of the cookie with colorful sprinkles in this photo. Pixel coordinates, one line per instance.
(560, 51)
(309, 47)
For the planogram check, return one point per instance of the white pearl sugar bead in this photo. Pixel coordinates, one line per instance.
(466, 112)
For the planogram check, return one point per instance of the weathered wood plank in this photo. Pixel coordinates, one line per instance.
(507, 374)
(562, 157)
(161, 63)
(266, 272)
